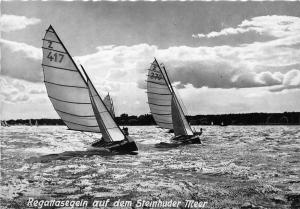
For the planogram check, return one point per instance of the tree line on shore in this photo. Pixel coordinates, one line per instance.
(286, 118)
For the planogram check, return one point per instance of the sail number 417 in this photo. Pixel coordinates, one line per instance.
(56, 57)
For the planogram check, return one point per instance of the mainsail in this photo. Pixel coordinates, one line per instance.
(66, 86)
(159, 97)
(163, 102)
(109, 104)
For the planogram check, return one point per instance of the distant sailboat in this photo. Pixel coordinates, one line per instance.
(4, 123)
(165, 107)
(223, 124)
(109, 104)
(75, 98)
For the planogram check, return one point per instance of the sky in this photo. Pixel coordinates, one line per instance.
(222, 57)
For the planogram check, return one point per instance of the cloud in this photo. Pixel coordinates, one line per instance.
(250, 65)
(20, 60)
(27, 50)
(15, 90)
(12, 90)
(272, 25)
(291, 80)
(226, 67)
(12, 22)
(214, 67)
(224, 32)
(224, 75)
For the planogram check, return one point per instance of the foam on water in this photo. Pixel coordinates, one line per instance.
(238, 164)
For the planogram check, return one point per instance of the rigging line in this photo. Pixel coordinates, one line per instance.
(182, 103)
(99, 119)
(166, 77)
(186, 112)
(88, 79)
(176, 98)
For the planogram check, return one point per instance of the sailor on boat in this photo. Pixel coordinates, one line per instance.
(125, 131)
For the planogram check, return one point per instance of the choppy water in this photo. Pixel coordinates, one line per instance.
(234, 165)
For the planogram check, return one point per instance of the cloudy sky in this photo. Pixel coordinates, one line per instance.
(232, 57)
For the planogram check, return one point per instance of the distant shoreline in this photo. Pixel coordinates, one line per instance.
(286, 118)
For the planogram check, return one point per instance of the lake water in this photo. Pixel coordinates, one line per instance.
(235, 166)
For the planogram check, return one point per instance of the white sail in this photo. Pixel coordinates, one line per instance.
(163, 102)
(159, 97)
(66, 86)
(180, 124)
(109, 104)
(109, 129)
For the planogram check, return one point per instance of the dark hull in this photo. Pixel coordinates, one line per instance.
(180, 141)
(120, 146)
(170, 131)
(124, 148)
(187, 139)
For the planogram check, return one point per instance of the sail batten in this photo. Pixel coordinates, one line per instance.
(157, 93)
(54, 50)
(65, 85)
(81, 124)
(50, 40)
(57, 67)
(162, 113)
(67, 101)
(87, 116)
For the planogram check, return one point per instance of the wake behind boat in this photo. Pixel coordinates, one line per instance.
(75, 98)
(165, 107)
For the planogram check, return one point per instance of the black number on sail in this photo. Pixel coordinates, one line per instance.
(155, 75)
(54, 57)
(61, 57)
(50, 45)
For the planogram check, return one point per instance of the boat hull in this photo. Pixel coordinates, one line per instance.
(123, 146)
(180, 141)
(187, 139)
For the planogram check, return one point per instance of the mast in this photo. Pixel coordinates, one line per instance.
(88, 78)
(172, 90)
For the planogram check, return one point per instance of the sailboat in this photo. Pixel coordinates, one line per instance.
(4, 123)
(165, 107)
(75, 98)
(109, 104)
